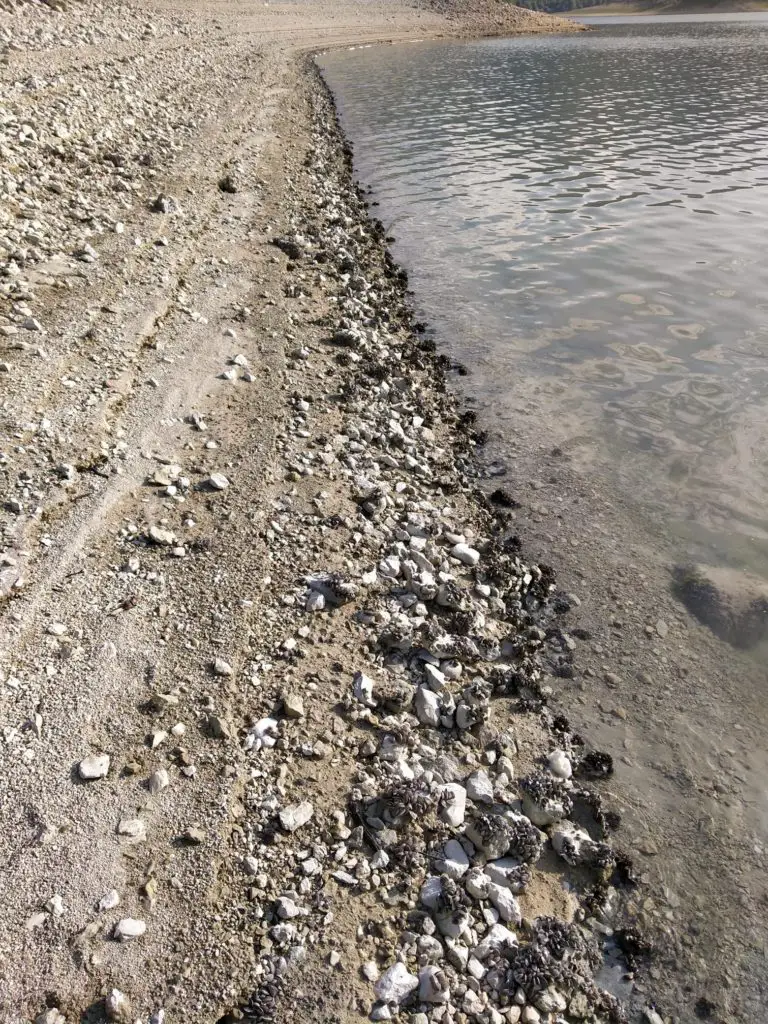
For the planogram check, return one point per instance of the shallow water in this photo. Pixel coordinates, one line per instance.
(584, 222)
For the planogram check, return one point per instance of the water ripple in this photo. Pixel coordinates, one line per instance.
(592, 209)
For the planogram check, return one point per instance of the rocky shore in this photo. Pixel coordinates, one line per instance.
(276, 743)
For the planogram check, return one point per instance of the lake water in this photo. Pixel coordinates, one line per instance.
(584, 221)
(591, 212)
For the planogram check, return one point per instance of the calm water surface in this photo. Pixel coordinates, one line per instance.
(585, 222)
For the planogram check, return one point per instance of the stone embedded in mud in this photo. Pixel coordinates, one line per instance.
(129, 928)
(95, 766)
(293, 706)
(158, 781)
(109, 900)
(118, 1007)
(395, 984)
(132, 828)
(296, 815)
(263, 734)
(362, 688)
(164, 538)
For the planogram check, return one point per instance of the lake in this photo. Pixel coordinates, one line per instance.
(583, 219)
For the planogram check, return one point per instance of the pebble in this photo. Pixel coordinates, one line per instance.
(296, 815)
(465, 554)
(395, 984)
(95, 766)
(55, 906)
(218, 482)
(109, 900)
(293, 706)
(158, 781)
(133, 828)
(453, 804)
(560, 765)
(118, 1006)
(222, 668)
(129, 928)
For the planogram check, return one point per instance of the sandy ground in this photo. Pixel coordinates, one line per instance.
(151, 343)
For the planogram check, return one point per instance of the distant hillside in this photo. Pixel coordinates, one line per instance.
(645, 6)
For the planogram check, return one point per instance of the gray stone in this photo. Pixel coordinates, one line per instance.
(95, 766)
(118, 1006)
(296, 815)
(129, 928)
(395, 984)
(479, 787)
(453, 804)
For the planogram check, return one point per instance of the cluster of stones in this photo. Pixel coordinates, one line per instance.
(438, 823)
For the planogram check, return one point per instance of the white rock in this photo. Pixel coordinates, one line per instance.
(362, 688)
(457, 954)
(222, 668)
(435, 679)
(506, 904)
(315, 601)
(427, 705)
(287, 909)
(453, 860)
(159, 781)
(55, 906)
(530, 1015)
(431, 892)
(451, 669)
(433, 985)
(109, 900)
(296, 815)
(118, 1006)
(465, 554)
(560, 765)
(477, 883)
(263, 734)
(218, 482)
(453, 804)
(134, 828)
(370, 970)
(395, 984)
(95, 766)
(652, 1017)
(479, 787)
(501, 870)
(496, 938)
(129, 928)
(390, 567)
(53, 1016)
(160, 536)
(551, 1001)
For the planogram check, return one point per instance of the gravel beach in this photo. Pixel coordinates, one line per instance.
(276, 738)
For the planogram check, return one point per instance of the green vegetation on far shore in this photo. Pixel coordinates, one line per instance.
(602, 7)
